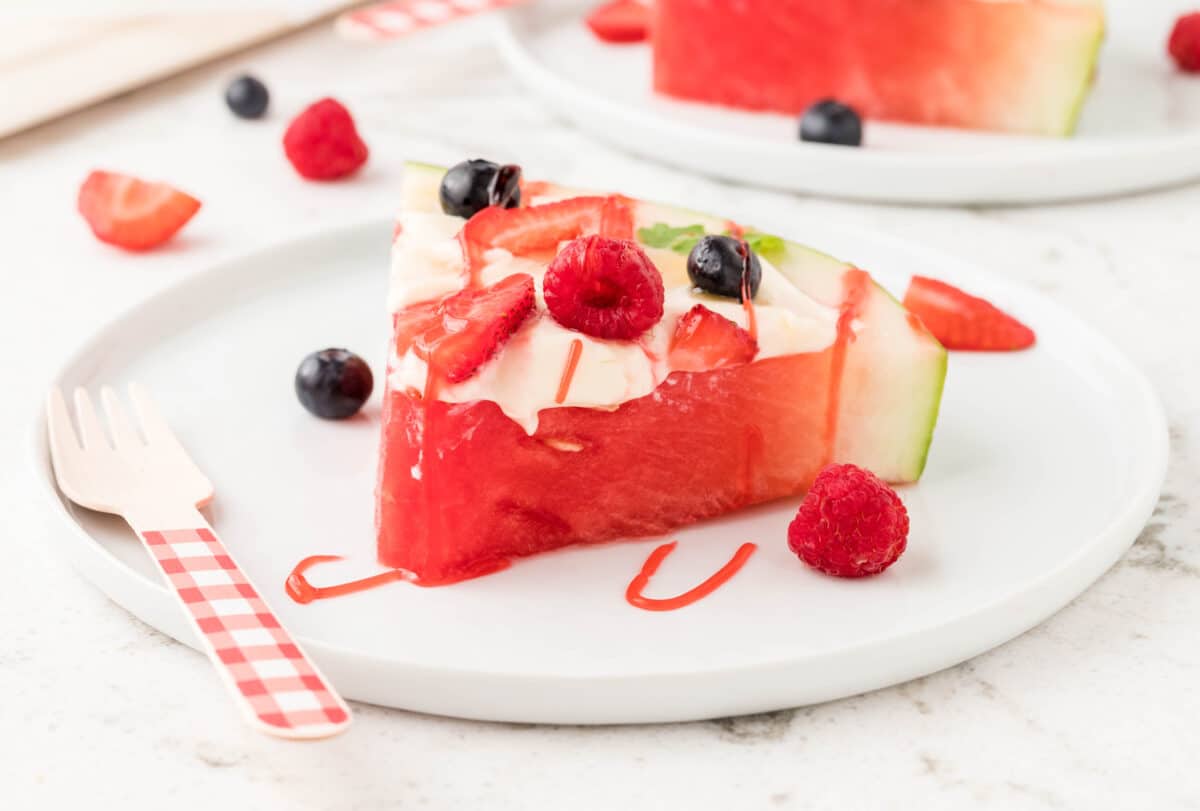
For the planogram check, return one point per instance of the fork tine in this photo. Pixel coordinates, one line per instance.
(63, 442)
(91, 431)
(154, 426)
(124, 437)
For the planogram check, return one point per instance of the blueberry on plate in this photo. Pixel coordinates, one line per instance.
(334, 383)
(831, 122)
(471, 186)
(247, 97)
(717, 264)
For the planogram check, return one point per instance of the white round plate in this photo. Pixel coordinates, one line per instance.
(1045, 466)
(1140, 128)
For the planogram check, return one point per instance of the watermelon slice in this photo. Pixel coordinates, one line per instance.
(464, 487)
(1020, 66)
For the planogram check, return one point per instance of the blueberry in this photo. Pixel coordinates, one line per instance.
(831, 122)
(334, 383)
(717, 263)
(247, 97)
(473, 185)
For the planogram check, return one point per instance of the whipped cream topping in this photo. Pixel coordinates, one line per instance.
(523, 377)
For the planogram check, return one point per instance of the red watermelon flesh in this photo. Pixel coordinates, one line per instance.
(489, 492)
(1021, 66)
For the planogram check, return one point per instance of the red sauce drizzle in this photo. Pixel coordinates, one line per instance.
(473, 257)
(302, 591)
(634, 595)
(568, 373)
(855, 285)
(747, 299)
(748, 303)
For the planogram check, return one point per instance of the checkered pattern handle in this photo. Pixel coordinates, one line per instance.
(274, 682)
(398, 18)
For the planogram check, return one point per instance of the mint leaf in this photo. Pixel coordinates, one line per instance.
(680, 239)
(762, 243)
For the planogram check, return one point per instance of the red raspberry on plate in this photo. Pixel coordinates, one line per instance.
(606, 288)
(323, 143)
(851, 524)
(1184, 44)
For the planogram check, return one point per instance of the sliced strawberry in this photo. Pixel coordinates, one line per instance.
(461, 332)
(963, 321)
(620, 21)
(704, 340)
(131, 213)
(534, 188)
(527, 230)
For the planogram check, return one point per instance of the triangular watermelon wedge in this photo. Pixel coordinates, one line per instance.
(468, 483)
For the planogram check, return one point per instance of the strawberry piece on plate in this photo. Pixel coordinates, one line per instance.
(704, 340)
(460, 333)
(133, 214)
(620, 21)
(962, 321)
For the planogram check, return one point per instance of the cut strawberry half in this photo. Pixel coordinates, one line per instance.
(704, 340)
(527, 230)
(962, 321)
(133, 214)
(460, 333)
(620, 21)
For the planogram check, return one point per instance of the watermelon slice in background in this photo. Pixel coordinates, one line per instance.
(463, 488)
(1017, 66)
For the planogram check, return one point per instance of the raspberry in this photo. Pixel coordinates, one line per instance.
(606, 288)
(1185, 42)
(322, 142)
(851, 524)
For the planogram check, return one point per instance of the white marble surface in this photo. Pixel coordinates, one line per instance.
(1098, 707)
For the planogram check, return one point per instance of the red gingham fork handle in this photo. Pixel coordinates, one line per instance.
(276, 684)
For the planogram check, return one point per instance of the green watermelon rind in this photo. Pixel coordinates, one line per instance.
(1085, 87)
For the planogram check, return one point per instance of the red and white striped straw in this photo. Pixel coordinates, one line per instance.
(398, 18)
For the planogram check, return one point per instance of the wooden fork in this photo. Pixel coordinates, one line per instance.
(145, 476)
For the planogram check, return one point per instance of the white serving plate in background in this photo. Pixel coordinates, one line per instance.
(1140, 128)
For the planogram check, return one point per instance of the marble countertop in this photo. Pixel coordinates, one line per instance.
(1097, 707)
